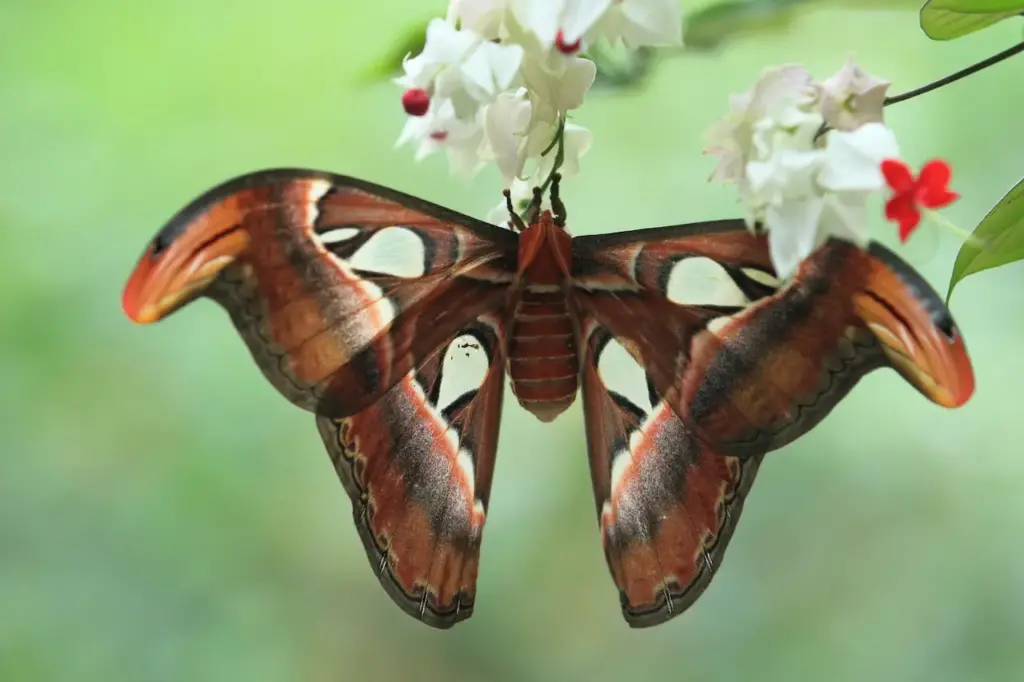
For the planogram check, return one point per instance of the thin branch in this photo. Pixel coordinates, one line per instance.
(953, 77)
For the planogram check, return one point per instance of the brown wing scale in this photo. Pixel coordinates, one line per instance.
(755, 375)
(419, 476)
(356, 300)
(330, 337)
(667, 503)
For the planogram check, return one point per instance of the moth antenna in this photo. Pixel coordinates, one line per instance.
(556, 201)
(515, 221)
(533, 212)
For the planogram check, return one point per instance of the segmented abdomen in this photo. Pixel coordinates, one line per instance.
(543, 363)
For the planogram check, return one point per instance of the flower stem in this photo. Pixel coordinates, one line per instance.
(944, 222)
(946, 80)
(953, 77)
(559, 141)
(558, 145)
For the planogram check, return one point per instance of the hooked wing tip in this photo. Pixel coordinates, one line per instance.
(916, 330)
(169, 276)
(958, 386)
(133, 302)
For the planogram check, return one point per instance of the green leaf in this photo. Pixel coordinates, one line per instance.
(411, 41)
(708, 28)
(1001, 237)
(948, 19)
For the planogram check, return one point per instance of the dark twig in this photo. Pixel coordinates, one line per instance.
(946, 80)
(953, 77)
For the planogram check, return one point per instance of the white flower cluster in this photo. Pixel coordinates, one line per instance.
(496, 79)
(801, 181)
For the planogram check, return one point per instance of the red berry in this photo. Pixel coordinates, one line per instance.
(416, 101)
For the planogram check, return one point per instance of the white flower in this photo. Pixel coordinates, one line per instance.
(461, 66)
(802, 186)
(517, 132)
(564, 20)
(780, 97)
(804, 194)
(850, 174)
(495, 83)
(639, 23)
(779, 189)
(440, 129)
(851, 97)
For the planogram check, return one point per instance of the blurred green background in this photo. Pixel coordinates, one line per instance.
(164, 515)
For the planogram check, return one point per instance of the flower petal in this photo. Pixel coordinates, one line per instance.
(851, 97)
(935, 197)
(484, 17)
(852, 159)
(579, 15)
(792, 233)
(934, 175)
(541, 17)
(845, 216)
(505, 126)
(897, 175)
(901, 209)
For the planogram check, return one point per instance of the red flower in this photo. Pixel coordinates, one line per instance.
(929, 189)
(416, 101)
